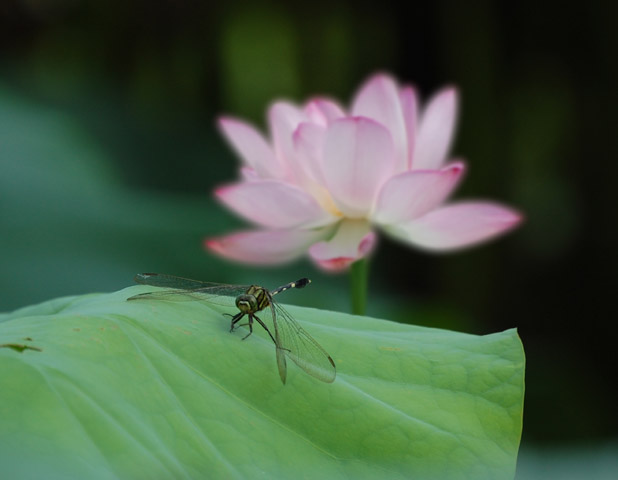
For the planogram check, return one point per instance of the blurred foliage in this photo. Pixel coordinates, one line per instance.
(109, 155)
(593, 462)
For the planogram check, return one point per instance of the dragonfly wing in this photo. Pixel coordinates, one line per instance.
(282, 364)
(172, 295)
(294, 342)
(170, 281)
(185, 290)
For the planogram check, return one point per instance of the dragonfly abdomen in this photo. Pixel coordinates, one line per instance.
(301, 283)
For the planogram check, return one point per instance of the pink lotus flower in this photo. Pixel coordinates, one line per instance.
(329, 178)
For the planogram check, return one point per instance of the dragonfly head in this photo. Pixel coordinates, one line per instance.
(247, 303)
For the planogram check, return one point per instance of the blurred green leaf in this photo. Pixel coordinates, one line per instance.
(68, 223)
(150, 389)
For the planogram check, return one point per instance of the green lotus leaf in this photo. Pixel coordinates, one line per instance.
(97, 387)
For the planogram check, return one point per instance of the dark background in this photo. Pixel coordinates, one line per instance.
(109, 154)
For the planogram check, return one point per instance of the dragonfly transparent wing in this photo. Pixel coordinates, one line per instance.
(186, 290)
(171, 281)
(294, 342)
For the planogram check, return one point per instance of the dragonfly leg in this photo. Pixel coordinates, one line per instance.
(235, 319)
(265, 328)
(250, 323)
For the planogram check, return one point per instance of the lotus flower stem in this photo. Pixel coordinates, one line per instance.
(359, 280)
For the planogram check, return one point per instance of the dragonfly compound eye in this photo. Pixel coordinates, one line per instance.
(247, 303)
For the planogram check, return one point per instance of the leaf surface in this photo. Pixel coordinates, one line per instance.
(156, 389)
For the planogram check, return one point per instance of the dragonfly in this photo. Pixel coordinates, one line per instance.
(290, 339)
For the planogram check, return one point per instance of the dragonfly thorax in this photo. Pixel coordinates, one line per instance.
(255, 299)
